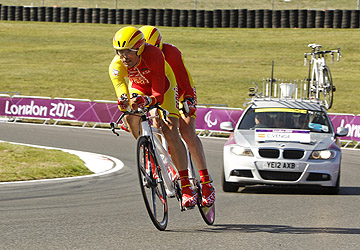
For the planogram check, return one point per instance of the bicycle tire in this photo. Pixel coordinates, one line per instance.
(207, 212)
(327, 93)
(152, 186)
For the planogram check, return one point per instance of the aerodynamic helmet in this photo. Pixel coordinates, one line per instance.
(152, 35)
(129, 38)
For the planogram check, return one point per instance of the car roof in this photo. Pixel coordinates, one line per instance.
(286, 103)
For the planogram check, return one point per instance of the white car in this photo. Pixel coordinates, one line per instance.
(282, 142)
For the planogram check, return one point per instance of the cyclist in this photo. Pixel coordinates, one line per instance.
(152, 81)
(187, 95)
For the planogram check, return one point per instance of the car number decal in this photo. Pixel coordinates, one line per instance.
(293, 135)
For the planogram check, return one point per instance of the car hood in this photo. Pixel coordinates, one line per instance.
(318, 141)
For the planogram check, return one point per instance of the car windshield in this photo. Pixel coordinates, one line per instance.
(286, 118)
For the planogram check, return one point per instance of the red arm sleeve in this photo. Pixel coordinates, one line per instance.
(156, 62)
(183, 78)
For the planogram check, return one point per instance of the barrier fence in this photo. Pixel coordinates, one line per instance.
(103, 112)
(219, 18)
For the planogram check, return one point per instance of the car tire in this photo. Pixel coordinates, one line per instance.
(228, 186)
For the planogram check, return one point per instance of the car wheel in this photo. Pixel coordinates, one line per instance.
(335, 189)
(228, 186)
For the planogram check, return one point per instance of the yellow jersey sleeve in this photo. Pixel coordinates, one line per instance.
(117, 73)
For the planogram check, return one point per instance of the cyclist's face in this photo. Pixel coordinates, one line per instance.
(128, 57)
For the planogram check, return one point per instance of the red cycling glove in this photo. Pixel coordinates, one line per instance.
(142, 100)
(189, 106)
(123, 101)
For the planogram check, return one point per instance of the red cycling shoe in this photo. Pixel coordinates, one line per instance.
(208, 194)
(189, 197)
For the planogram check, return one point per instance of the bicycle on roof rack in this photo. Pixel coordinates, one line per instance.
(158, 176)
(320, 83)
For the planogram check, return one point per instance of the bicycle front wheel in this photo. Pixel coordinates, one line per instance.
(151, 184)
(328, 89)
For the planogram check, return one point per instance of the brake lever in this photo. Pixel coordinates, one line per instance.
(165, 114)
(113, 128)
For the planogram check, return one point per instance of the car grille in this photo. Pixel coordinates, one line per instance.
(293, 154)
(275, 153)
(269, 153)
(280, 176)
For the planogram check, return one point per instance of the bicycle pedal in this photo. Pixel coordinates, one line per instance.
(188, 208)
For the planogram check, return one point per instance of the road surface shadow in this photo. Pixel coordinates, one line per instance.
(276, 229)
(296, 190)
(283, 229)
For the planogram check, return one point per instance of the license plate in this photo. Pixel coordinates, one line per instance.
(280, 165)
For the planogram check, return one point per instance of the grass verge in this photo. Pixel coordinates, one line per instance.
(19, 163)
(71, 60)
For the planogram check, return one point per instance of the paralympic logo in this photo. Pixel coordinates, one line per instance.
(208, 121)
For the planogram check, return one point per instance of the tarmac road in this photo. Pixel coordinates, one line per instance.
(107, 212)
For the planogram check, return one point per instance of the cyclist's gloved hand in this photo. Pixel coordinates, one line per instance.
(123, 101)
(189, 106)
(142, 100)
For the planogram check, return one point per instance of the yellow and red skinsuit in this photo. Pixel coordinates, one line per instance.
(152, 76)
(184, 80)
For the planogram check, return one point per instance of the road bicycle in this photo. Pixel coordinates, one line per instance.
(320, 85)
(157, 173)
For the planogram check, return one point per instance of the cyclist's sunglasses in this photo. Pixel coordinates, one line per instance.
(125, 52)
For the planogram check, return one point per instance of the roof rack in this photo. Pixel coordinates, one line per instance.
(282, 89)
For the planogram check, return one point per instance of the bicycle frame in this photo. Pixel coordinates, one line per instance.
(165, 160)
(317, 76)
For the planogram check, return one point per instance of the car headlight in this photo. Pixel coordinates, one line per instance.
(241, 151)
(322, 154)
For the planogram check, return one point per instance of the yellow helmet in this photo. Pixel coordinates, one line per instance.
(152, 35)
(129, 38)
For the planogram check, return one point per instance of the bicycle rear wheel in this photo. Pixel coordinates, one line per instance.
(151, 184)
(328, 89)
(207, 213)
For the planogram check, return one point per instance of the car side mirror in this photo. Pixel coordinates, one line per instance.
(341, 131)
(227, 126)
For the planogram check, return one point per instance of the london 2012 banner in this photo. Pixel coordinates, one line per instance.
(107, 111)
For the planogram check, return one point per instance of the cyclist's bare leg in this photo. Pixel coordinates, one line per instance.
(187, 130)
(177, 147)
(133, 123)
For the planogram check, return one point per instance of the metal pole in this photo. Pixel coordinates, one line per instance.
(272, 4)
(358, 4)
(195, 2)
(115, 4)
